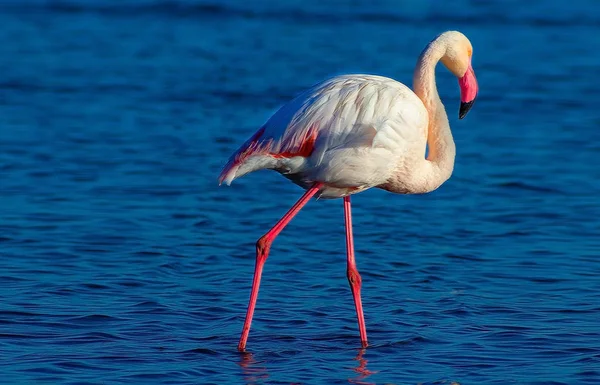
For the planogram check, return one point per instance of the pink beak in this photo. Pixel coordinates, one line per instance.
(468, 91)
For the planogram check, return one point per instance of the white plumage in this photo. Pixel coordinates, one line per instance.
(349, 132)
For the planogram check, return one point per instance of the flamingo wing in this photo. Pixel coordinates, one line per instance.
(341, 131)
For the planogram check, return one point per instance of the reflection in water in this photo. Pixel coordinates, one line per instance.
(361, 369)
(252, 372)
(256, 372)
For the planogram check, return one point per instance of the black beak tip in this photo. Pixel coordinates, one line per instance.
(464, 108)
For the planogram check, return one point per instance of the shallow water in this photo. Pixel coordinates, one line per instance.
(122, 261)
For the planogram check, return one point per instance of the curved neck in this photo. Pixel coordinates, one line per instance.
(441, 148)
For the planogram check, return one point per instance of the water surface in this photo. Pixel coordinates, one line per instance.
(122, 261)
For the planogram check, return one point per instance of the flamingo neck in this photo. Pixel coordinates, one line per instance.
(441, 149)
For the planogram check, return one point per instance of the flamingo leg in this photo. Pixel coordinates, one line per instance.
(353, 276)
(263, 245)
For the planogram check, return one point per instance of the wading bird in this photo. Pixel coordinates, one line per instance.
(353, 132)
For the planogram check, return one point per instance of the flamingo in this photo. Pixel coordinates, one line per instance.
(353, 132)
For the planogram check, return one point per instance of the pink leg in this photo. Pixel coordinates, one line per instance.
(262, 252)
(352, 272)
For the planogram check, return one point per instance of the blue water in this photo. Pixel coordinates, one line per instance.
(122, 261)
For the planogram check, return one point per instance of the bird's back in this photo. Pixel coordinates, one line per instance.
(341, 131)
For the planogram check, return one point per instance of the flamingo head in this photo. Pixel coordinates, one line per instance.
(457, 59)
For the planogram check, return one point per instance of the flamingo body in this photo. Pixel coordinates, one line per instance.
(349, 132)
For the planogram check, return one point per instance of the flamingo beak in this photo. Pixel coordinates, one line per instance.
(468, 91)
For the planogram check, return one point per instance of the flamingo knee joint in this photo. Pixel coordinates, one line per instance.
(263, 245)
